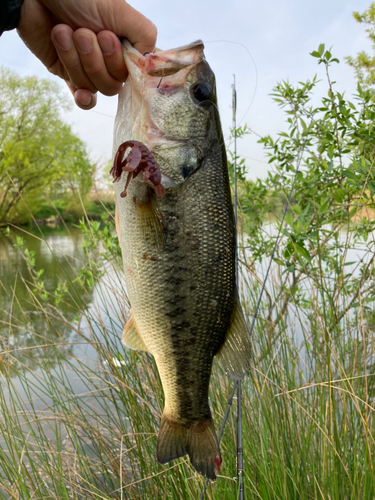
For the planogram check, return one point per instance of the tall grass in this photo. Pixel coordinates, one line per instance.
(80, 414)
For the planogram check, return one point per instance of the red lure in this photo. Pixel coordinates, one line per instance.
(139, 159)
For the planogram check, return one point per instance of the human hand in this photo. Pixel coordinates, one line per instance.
(78, 41)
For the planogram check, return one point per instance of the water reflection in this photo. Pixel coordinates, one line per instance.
(27, 332)
(58, 379)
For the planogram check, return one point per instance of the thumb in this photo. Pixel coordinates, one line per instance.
(127, 22)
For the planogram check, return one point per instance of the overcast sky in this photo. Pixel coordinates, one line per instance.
(278, 34)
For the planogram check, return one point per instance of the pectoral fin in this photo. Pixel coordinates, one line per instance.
(235, 354)
(150, 219)
(132, 338)
(117, 224)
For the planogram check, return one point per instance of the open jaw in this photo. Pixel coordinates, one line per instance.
(139, 159)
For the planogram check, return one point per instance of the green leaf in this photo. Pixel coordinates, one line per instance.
(302, 251)
(338, 195)
(350, 175)
(353, 211)
(289, 219)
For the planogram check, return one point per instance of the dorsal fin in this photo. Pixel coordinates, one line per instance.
(235, 354)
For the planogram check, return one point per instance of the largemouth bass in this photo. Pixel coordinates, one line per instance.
(176, 228)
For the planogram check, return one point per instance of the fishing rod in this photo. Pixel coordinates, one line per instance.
(239, 388)
(237, 383)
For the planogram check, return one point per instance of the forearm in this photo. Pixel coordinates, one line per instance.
(10, 11)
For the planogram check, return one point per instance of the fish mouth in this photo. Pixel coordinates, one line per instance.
(166, 63)
(169, 62)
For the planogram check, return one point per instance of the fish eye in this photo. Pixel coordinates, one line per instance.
(201, 92)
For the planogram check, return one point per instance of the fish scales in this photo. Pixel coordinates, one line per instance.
(179, 250)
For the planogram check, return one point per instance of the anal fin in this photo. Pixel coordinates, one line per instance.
(132, 338)
(235, 354)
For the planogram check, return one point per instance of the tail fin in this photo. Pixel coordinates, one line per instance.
(198, 441)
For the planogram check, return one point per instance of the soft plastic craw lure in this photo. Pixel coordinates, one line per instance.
(139, 159)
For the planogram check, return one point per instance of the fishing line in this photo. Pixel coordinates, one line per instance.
(255, 68)
(255, 87)
(103, 114)
(255, 159)
(256, 78)
(237, 383)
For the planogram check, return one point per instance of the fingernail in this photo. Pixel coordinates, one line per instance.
(84, 44)
(63, 39)
(87, 102)
(106, 44)
(78, 99)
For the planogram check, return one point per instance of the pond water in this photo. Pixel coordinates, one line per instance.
(59, 253)
(23, 327)
(41, 357)
(56, 250)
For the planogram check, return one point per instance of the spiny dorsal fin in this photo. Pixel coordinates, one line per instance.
(235, 354)
(131, 337)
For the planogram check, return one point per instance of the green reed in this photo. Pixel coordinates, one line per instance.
(308, 404)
